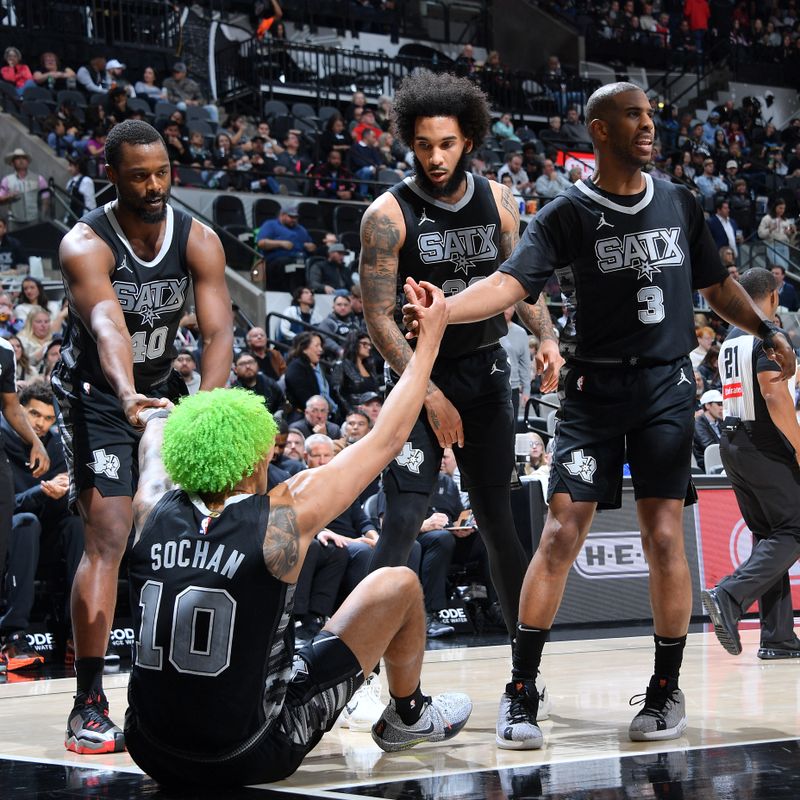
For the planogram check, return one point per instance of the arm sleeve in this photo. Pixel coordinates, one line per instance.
(548, 243)
(707, 268)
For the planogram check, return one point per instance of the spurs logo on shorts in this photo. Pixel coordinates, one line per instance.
(581, 466)
(105, 464)
(410, 458)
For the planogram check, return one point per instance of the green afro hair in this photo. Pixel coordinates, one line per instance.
(214, 439)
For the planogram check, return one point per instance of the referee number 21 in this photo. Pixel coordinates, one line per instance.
(652, 310)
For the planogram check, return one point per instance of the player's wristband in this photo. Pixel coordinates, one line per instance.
(148, 414)
(767, 330)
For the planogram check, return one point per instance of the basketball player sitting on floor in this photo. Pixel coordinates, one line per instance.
(212, 575)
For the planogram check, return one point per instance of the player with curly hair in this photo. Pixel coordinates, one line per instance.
(214, 696)
(452, 228)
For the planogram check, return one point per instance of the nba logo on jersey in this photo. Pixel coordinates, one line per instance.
(646, 252)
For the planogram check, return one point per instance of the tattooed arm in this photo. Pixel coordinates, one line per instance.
(302, 506)
(536, 317)
(382, 236)
(734, 305)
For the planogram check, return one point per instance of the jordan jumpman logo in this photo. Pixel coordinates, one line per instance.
(425, 217)
(603, 222)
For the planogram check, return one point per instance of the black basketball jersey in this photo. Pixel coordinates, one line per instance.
(452, 246)
(627, 267)
(741, 358)
(213, 643)
(8, 375)
(152, 295)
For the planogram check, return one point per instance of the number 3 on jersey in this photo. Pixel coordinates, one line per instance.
(652, 299)
(150, 345)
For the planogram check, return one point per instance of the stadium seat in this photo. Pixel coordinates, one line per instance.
(347, 218)
(229, 210)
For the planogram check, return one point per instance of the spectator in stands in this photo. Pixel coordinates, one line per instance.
(115, 69)
(177, 150)
(96, 147)
(35, 335)
(22, 191)
(392, 157)
(354, 374)
(183, 91)
(697, 12)
(551, 183)
(383, 113)
(723, 228)
(728, 260)
(9, 324)
(503, 129)
(709, 368)
(41, 517)
(186, 366)
(515, 343)
(332, 180)
(60, 141)
(249, 377)
(284, 243)
(236, 129)
(51, 74)
(301, 310)
(574, 131)
(705, 338)
(295, 446)
(712, 127)
(707, 430)
(270, 361)
(356, 426)
(315, 418)
(743, 207)
(25, 373)
(290, 465)
(15, 72)
(340, 322)
(148, 88)
(305, 375)
(358, 100)
(94, 77)
(465, 61)
(538, 464)
(709, 184)
(365, 161)
(787, 295)
(117, 109)
(292, 162)
(52, 354)
(330, 275)
(32, 297)
(11, 257)
(334, 136)
(552, 133)
(367, 122)
(777, 232)
(513, 167)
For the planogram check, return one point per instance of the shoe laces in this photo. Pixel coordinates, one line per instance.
(95, 707)
(522, 706)
(655, 699)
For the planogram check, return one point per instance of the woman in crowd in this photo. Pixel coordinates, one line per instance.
(354, 374)
(778, 233)
(504, 128)
(52, 75)
(538, 465)
(15, 72)
(301, 310)
(32, 297)
(335, 137)
(25, 372)
(35, 335)
(708, 369)
(148, 88)
(304, 375)
(51, 356)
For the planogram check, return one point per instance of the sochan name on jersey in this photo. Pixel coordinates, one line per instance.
(152, 299)
(649, 249)
(474, 242)
(612, 555)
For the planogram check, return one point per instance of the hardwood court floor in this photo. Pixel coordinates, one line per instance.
(741, 741)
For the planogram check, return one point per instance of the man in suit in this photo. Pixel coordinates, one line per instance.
(707, 425)
(787, 296)
(723, 227)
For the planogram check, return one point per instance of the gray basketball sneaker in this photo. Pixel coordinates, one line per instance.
(516, 717)
(442, 718)
(663, 715)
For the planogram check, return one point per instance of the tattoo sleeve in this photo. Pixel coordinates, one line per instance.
(380, 237)
(281, 546)
(536, 319)
(509, 239)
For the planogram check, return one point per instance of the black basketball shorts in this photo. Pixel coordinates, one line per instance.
(326, 676)
(478, 386)
(100, 445)
(608, 414)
